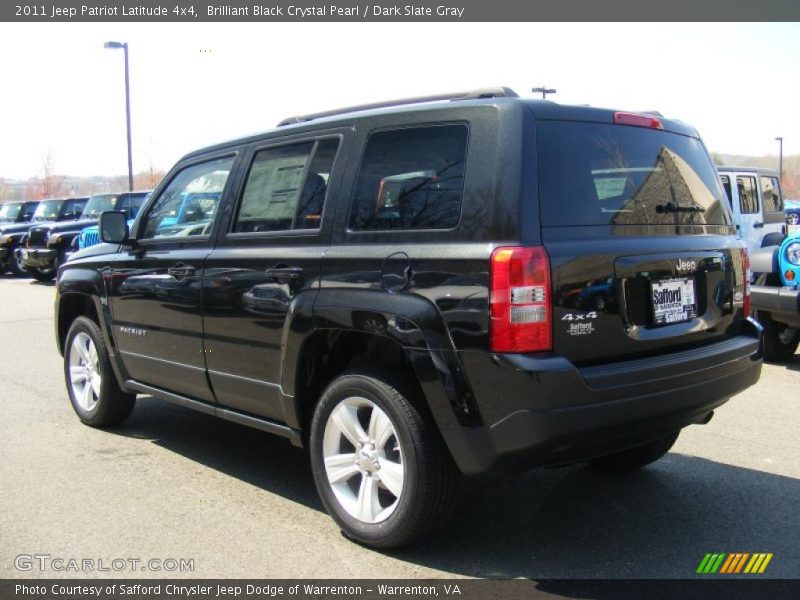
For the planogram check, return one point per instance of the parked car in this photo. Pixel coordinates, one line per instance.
(128, 202)
(776, 296)
(387, 278)
(756, 200)
(792, 213)
(15, 220)
(49, 244)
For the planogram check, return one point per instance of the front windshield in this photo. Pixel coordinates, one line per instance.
(48, 210)
(10, 212)
(99, 204)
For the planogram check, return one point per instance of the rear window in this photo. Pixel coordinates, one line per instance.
(596, 174)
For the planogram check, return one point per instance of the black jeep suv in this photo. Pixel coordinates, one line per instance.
(51, 214)
(15, 221)
(49, 244)
(394, 287)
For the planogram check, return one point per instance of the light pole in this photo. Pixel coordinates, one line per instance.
(544, 91)
(124, 46)
(780, 155)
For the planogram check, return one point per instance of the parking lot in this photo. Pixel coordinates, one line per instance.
(175, 484)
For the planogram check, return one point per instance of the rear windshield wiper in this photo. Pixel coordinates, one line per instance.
(675, 207)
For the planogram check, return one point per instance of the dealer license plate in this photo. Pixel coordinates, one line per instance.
(673, 301)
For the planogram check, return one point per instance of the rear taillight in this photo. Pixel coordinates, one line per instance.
(747, 275)
(520, 311)
(637, 120)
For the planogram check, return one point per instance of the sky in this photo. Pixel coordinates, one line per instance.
(193, 85)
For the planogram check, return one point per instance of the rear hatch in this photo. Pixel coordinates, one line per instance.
(641, 244)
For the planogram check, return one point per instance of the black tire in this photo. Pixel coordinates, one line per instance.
(113, 405)
(780, 340)
(635, 458)
(15, 266)
(430, 476)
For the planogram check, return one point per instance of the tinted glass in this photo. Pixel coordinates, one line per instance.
(188, 206)
(73, 208)
(748, 196)
(411, 179)
(726, 185)
(596, 174)
(771, 194)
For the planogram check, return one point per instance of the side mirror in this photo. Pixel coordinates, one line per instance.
(114, 227)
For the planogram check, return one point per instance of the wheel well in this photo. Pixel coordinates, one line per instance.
(70, 308)
(327, 354)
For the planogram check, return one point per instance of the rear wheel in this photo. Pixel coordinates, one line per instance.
(380, 467)
(780, 340)
(91, 383)
(635, 458)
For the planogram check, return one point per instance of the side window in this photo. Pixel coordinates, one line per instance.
(71, 210)
(771, 195)
(286, 188)
(133, 205)
(188, 206)
(748, 200)
(411, 179)
(726, 183)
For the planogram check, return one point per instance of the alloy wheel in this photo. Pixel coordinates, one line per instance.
(84, 371)
(363, 460)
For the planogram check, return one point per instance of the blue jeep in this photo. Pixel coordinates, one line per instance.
(130, 202)
(775, 296)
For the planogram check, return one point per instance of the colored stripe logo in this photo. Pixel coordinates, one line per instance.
(735, 562)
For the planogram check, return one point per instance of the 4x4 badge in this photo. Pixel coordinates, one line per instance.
(579, 316)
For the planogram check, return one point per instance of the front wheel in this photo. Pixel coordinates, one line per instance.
(380, 467)
(91, 383)
(635, 458)
(780, 340)
(15, 263)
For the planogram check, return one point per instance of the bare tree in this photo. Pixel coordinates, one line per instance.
(48, 185)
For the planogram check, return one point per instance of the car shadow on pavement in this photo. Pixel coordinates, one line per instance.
(258, 458)
(658, 522)
(573, 522)
(793, 364)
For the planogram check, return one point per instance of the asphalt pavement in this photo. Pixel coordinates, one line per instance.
(175, 485)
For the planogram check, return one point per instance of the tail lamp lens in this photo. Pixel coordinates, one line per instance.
(520, 311)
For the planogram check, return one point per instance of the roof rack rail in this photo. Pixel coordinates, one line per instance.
(494, 92)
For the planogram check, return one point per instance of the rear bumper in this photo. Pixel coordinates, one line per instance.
(38, 258)
(544, 411)
(782, 303)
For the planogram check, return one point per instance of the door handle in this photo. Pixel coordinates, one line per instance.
(285, 274)
(758, 225)
(180, 271)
